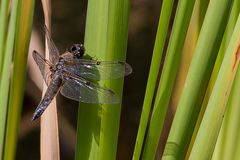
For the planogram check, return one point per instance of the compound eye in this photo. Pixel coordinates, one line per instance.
(73, 49)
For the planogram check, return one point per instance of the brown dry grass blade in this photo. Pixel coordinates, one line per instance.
(49, 121)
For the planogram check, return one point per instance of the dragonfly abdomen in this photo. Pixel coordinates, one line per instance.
(51, 92)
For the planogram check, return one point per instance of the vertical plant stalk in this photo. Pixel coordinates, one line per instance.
(188, 50)
(230, 127)
(170, 68)
(226, 38)
(89, 122)
(153, 74)
(221, 148)
(116, 48)
(5, 77)
(235, 118)
(3, 27)
(187, 54)
(49, 121)
(88, 126)
(198, 76)
(23, 32)
(105, 39)
(212, 119)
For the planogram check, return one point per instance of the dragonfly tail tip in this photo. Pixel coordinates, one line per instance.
(35, 116)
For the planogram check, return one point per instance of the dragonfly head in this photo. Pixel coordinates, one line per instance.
(77, 50)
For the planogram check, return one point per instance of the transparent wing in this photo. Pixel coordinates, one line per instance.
(53, 51)
(81, 90)
(96, 70)
(43, 65)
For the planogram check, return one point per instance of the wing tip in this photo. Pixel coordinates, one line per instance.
(128, 69)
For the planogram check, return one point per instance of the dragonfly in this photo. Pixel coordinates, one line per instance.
(75, 77)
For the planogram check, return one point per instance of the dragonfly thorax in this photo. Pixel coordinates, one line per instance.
(59, 66)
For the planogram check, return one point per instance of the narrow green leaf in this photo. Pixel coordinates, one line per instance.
(202, 10)
(5, 78)
(212, 119)
(226, 38)
(23, 32)
(221, 150)
(196, 82)
(3, 27)
(236, 154)
(227, 139)
(170, 68)
(153, 73)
